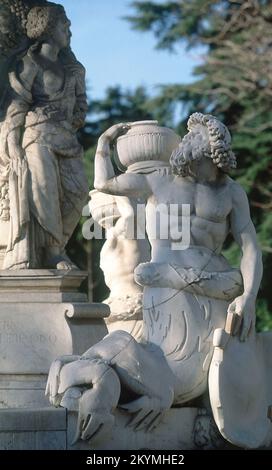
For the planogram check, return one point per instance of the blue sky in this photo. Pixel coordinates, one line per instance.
(114, 54)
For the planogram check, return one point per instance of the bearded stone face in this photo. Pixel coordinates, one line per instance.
(193, 147)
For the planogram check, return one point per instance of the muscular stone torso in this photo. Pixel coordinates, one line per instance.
(210, 206)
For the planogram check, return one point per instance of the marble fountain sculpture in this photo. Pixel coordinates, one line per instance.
(196, 356)
(198, 346)
(43, 188)
(43, 184)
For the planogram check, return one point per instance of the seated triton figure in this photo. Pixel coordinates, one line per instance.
(188, 292)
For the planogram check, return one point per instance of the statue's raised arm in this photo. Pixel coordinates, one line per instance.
(128, 184)
(143, 149)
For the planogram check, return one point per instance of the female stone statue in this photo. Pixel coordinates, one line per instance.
(40, 155)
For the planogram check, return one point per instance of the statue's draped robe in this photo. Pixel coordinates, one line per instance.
(49, 191)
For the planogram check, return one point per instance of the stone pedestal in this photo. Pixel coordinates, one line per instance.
(33, 429)
(181, 429)
(187, 428)
(43, 315)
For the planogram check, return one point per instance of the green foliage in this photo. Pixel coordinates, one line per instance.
(118, 105)
(264, 318)
(233, 254)
(174, 22)
(233, 81)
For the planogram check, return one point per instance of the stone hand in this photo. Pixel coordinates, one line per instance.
(147, 274)
(113, 132)
(92, 422)
(244, 307)
(53, 381)
(147, 411)
(97, 404)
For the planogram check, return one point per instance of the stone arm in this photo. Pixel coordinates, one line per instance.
(21, 81)
(251, 266)
(127, 184)
(53, 381)
(75, 68)
(125, 223)
(81, 107)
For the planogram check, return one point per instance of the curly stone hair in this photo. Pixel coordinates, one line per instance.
(13, 20)
(218, 147)
(13, 14)
(41, 20)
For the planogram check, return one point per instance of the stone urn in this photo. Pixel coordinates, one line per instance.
(145, 143)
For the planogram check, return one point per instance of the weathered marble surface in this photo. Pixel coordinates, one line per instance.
(41, 285)
(185, 428)
(43, 187)
(120, 255)
(42, 315)
(33, 429)
(54, 429)
(191, 294)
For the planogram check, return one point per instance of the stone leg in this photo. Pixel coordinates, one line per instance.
(139, 370)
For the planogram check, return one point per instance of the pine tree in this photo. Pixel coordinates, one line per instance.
(234, 82)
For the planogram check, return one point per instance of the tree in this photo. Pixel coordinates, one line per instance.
(234, 82)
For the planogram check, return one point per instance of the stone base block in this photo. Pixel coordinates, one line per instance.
(42, 316)
(41, 285)
(180, 429)
(54, 429)
(23, 391)
(33, 429)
